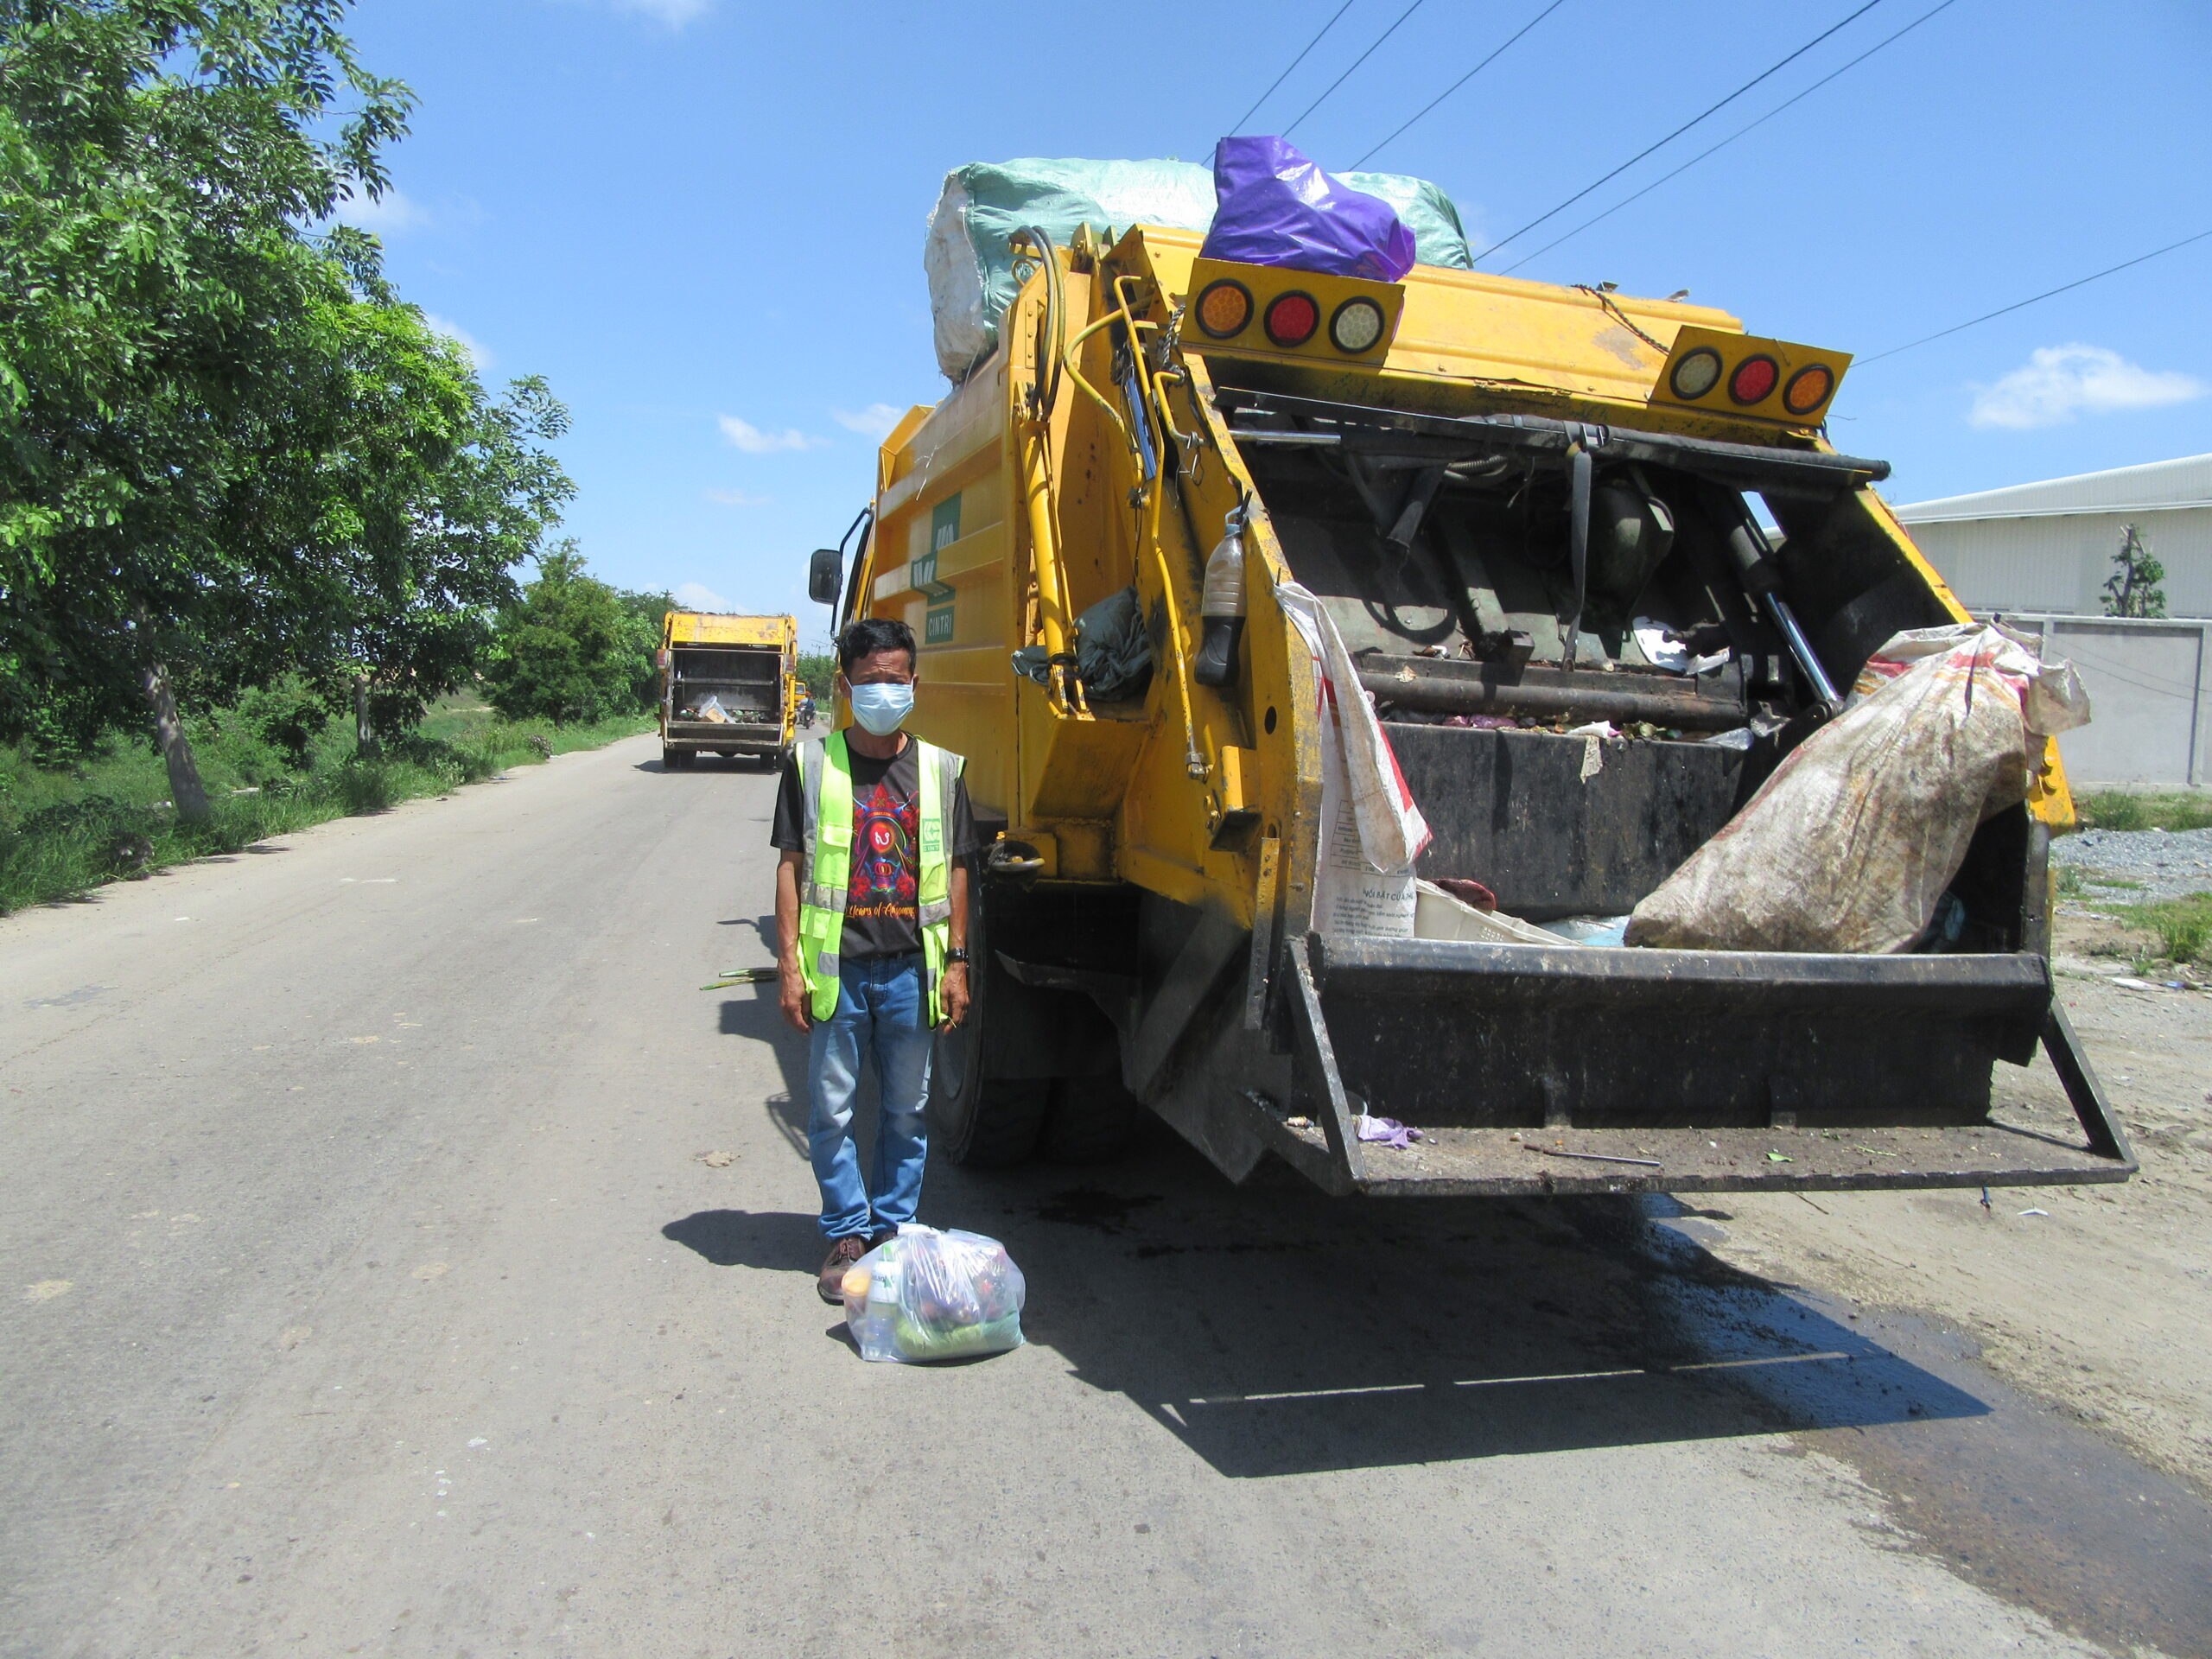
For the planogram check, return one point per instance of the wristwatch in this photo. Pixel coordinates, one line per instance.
(958, 953)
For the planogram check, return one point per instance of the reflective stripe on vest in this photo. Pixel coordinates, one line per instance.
(826, 862)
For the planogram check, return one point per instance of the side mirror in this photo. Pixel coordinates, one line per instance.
(825, 576)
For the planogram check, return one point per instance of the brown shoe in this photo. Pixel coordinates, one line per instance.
(831, 1281)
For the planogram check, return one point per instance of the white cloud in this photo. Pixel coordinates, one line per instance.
(478, 352)
(874, 421)
(674, 13)
(697, 597)
(2059, 383)
(390, 215)
(737, 499)
(751, 440)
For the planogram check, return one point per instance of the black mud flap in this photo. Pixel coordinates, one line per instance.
(1530, 1070)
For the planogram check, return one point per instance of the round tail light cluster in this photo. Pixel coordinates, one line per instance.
(1701, 371)
(1225, 307)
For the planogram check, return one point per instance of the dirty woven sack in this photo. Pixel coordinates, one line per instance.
(1852, 842)
(927, 1295)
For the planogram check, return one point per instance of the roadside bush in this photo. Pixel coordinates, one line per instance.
(65, 831)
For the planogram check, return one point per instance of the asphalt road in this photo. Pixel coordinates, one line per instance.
(363, 1291)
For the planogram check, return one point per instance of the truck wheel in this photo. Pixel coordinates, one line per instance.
(980, 1121)
(1090, 1121)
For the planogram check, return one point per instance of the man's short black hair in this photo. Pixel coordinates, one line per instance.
(871, 634)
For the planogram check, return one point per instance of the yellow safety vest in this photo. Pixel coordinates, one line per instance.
(826, 856)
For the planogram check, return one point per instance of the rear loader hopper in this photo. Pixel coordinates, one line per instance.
(1484, 483)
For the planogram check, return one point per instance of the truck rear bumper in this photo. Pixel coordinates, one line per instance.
(716, 737)
(1534, 1070)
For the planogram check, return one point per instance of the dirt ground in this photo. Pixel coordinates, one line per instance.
(2097, 1299)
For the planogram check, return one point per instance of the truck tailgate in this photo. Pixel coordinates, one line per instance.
(1530, 1069)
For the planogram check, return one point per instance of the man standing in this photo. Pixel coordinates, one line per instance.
(871, 933)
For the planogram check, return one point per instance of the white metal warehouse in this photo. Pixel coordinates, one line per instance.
(2048, 546)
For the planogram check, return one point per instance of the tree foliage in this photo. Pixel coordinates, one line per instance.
(227, 450)
(571, 648)
(2132, 588)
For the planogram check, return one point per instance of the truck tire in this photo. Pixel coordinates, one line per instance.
(980, 1122)
(1090, 1121)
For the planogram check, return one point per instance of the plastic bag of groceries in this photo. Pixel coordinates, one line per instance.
(927, 1295)
(1850, 844)
(1275, 208)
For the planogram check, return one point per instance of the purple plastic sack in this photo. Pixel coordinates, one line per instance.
(1274, 207)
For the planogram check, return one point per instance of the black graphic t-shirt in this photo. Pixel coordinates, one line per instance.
(882, 905)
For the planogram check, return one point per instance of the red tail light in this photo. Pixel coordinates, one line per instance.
(1292, 318)
(1753, 379)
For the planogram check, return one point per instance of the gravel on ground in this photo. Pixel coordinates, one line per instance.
(2167, 863)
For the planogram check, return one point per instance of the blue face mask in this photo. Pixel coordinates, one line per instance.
(882, 709)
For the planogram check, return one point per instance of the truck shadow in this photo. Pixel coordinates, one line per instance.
(1274, 1330)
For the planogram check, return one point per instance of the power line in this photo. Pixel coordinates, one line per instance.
(1462, 81)
(2035, 299)
(1295, 62)
(1639, 196)
(1763, 75)
(1355, 62)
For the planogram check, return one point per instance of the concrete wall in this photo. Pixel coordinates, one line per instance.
(2150, 686)
(2059, 563)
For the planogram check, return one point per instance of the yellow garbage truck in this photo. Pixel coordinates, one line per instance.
(729, 685)
(1103, 539)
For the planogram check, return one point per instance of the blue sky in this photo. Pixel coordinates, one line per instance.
(702, 220)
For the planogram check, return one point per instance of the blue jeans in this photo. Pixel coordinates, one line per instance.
(881, 1011)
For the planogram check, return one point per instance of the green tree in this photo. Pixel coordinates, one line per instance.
(2132, 588)
(165, 323)
(818, 669)
(425, 493)
(571, 648)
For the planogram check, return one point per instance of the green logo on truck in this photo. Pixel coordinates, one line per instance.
(936, 627)
(944, 530)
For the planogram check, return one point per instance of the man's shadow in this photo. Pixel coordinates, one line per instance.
(774, 1240)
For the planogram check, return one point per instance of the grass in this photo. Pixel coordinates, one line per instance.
(65, 830)
(2116, 809)
(2182, 927)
